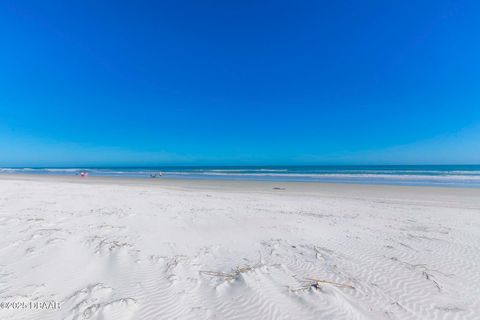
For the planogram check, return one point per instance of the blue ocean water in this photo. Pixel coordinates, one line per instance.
(427, 175)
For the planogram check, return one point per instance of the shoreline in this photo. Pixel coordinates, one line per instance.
(214, 182)
(327, 189)
(447, 176)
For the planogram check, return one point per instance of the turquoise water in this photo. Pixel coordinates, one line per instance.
(445, 175)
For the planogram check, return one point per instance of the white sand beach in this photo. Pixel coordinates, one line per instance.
(106, 248)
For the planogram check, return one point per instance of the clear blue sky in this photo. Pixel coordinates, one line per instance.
(239, 82)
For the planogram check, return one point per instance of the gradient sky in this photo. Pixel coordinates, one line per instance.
(239, 82)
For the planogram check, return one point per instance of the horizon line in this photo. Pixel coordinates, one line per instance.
(233, 165)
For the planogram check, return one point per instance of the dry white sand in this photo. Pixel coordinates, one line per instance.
(135, 249)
